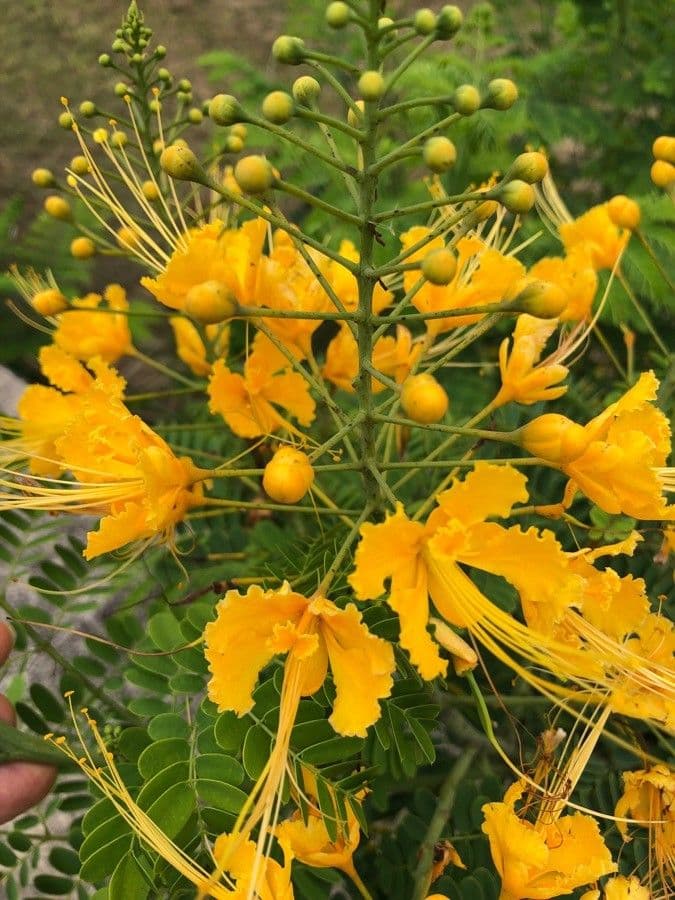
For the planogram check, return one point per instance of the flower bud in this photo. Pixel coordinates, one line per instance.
(104, 60)
(239, 130)
(354, 120)
(42, 178)
(425, 21)
(185, 85)
(306, 89)
(99, 135)
(278, 107)
(119, 138)
(501, 94)
(180, 163)
(624, 212)
(49, 302)
(517, 196)
(82, 248)
(150, 190)
(160, 51)
(210, 302)
(439, 154)
(164, 74)
(449, 22)
(662, 173)
(121, 89)
(542, 299)
(225, 109)
(371, 86)
(118, 46)
(79, 165)
(58, 208)
(155, 105)
(288, 50)
(663, 148)
(338, 14)
(233, 144)
(127, 238)
(65, 120)
(195, 116)
(423, 399)
(466, 99)
(288, 475)
(384, 22)
(530, 167)
(480, 213)
(87, 109)
(439, 266)
(254, 174)
(554, 438)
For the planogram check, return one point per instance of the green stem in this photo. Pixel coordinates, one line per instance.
(642, 313)
(409, 60)
(165, 370)
(316, 202)
(261, 504)
(413, 104)
(21, 746)
(337, 87)
(429, 205)
(312, 115)
(394, 155)
(268, 313)
(446, 799)
(648, 247)
(293, 138)
(479, 433)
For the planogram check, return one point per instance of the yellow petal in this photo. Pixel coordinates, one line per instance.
(486, 491)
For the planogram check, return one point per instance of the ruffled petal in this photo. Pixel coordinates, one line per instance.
(486, 491)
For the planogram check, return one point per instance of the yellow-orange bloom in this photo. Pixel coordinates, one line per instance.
(310, 843)
(620, 888)
(193, 350)
(272, 882)
(84, 332)
(547, 859)
(575, 276)
(597, 235)
(483, 277)
(523, 379)
(393, 356)
(249, 402)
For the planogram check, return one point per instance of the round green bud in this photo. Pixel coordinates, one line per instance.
(180, 163)
(542, 299)
(233, 144)
(289, 50)
(65, 120)
(195, 116)
(42, 178)
(225, 109)
(160, 51)
(338, 14)
(466, 99)
(439, 154)
(254, 174)
(104, 60)
(352, 118)
(142, 43)
(501, 94)
(371, 86)
(439, 266)
(79, 165)
(278, 107)
(121, 89)
(306, 89)
(517, 196)
(425, 21)
(384, 22)
(119, 46)
(155, 105)
(239, 130)
(182, 97)
(164, 74)
(87, 109)
(185, 85)
(137, 58)
(449, 22)
(530, 167)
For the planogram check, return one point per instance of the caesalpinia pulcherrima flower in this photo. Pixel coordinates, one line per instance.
(576, 277)
(198, 354)
(264, 879)
(597, 235)
(393, 356)
(615, 459)
(84, 332)
(524, 379)
(620, 888)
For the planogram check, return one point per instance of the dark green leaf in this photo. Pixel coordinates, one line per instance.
(128, 881)
(50, 707)
(176, 773)
(53, 885)
(256, 751)
(220, 795)
(161, 754)
(168, 725)
(64, 860)
(173, 809)
(102, 861)
(219, 767)
(230, 730)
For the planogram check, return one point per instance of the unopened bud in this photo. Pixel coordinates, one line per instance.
(121, 89)
(371, 86)
(439, 266)
(338, 14)
(662, 173)
(233, 144)
(42, 178)
(530, 167)
(65, 120)
(82, 248)
(49, 302)
(288, 475)
(119, 139)
(554, 438)
(289, 50)
(225, 109)
(180, 163)
(185, 85)
(663, 148)
(624, 212)
(58, 208)
(163, 74)
(195, 116)
(278, 107)
(99, 135)
(517, 196)
(439, 154)
(449, 22)
(155, 105)
(542, 299)
(254, 174)
(352, 118)
(150, 190)
(306, 89)
(423, 399)
(87, 109)
(210, 302)
(79, 165)
(384, 22)
(501, 94)
(466, 99)
(240, 131)
(160, 51)
(118, 45)
(104, 60)
(480, 213)
(127, 238)
(425, 21)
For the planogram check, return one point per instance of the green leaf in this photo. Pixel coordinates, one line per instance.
(230, 730)
(132, 742)
(220, 796)
(173, 809)
(176, 773)
(53, 885)
(7, 856)
(186, 683)
(161, 754)
(256, 751)
(103, 861)
(19, 841)
(149, 681)
(96, 815)
(147, 707)
(333, 750)
(164, 629)
(50, 707)
(65, 861)
(168, 725)
(128, 881)
(327, 807)
(30, 718)
(219, 767)
(103, 834)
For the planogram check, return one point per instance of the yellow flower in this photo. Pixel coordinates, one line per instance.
(250, 630)
(310, 843)
(272, 882)
(649, 797)
(123, 471)
(484, 276)
(213, 253)
(547, 859)
(597, 235)
(193, 349)
(523, 380)
(248, 402)
(617, 458)
(393, 356)
(574, 274)
(620, 888)
(90, 333)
